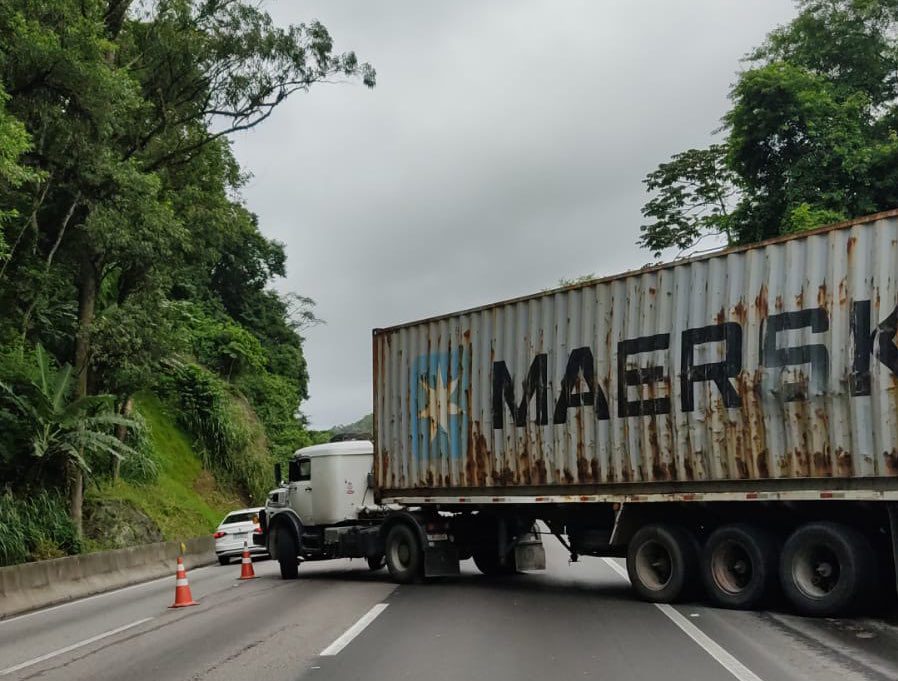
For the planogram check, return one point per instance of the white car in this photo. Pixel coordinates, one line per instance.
(236, 529)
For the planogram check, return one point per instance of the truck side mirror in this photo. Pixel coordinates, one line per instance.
(278, 475)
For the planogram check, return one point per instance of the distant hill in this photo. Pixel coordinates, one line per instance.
(363, 425)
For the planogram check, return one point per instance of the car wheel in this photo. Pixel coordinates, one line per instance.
(662, 562)
(828, 569)
(739, 565)
(287, 553)
(224, 560)
(405, 559)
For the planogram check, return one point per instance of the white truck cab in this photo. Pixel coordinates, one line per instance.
(326, 509)
(328, 484)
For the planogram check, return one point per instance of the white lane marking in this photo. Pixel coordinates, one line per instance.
(709, 645)
(16, 618)
(354, 630)
(619, 569)
(74, 646)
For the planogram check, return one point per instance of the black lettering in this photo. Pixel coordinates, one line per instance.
(859, 325)
(642, 376)
(719, 372)
(816, 354)
(888, 351)
(580, 364)
(536, 384)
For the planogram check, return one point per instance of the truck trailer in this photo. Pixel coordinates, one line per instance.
(728, 423)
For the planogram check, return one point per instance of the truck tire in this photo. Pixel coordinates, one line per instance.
(739, 565)
(486, 558)
(287, 553)
(376, 562)
(662, 562)
(405, 558)
(828, 569)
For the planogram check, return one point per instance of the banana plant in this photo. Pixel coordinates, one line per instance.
(58, 428)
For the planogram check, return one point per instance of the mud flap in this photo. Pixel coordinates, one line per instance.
(529, 553)
(440, 559)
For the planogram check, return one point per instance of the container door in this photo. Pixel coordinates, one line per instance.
(300, 490)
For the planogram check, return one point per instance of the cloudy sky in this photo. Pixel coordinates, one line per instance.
(502, 150)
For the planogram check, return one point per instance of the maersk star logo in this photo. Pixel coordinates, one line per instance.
(439, 394)
(438, 406)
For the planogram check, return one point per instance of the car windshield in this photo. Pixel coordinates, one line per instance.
(240, 518)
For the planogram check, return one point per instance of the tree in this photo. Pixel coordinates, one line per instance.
(811, 138)
(695, 195)
(58, 429)
(14, 141)
(136, 201)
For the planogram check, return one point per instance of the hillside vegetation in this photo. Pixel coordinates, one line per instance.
(184, 500)
(146, 363)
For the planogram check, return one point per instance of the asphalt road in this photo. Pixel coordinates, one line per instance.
(573, 622)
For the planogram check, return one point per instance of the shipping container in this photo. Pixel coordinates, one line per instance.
(768, 369)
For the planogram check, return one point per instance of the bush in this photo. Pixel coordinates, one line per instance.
(34, 528)
(231, 439)
(141, 466)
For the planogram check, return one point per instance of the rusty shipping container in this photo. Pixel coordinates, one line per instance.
(771, 367)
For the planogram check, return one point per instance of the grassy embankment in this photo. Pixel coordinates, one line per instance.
(186, 500)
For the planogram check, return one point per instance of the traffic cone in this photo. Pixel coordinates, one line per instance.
(246, 565)
(183, 597)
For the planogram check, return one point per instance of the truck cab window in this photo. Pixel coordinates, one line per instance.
(300, 469)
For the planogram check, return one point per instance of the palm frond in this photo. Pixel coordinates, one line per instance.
(85, 405)
(62, 384)
(43, 369)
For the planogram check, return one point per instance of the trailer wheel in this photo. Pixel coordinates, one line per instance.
(739, 565)
(662, 562)
(287, 553)
(828, 569)
(405, 558)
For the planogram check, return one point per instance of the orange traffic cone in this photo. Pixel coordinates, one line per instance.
(183, 597)
(246, 565)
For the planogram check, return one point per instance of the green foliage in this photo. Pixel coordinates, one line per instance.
(185, 500)
(804, 217)
(693, 196)
(231, 441)
(142, 466)
(124, 243)
(14, 141)
(35, 527)
(812, 135)
(363, 425)
(51, 426)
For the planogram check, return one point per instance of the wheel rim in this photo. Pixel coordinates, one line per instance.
(816, 570)
(654, 565)
(731, 567)
(400, 553)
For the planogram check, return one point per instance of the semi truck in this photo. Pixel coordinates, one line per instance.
(727, 423)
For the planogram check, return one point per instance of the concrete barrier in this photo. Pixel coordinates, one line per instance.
(49, 582)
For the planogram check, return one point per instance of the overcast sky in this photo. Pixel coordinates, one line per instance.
(502, 150)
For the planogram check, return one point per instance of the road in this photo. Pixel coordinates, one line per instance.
(573, 622)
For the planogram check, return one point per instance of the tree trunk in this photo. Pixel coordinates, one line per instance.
(87, 301)
(76, 495)
(121, 432)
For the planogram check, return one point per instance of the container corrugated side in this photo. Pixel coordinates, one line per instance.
(776, 362)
